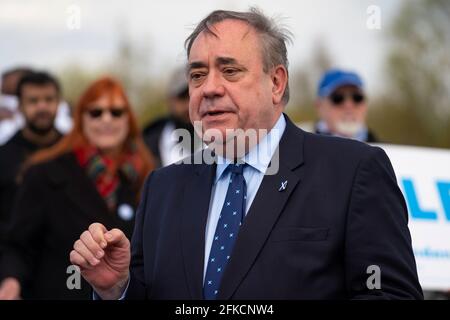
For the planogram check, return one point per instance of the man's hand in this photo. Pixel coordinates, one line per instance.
(10, 289)
(104, 260)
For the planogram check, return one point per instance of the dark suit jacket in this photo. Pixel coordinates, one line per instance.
(341, 212)
(55, 204)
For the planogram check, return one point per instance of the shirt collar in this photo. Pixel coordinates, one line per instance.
(259, 156)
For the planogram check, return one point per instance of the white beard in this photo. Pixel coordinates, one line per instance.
(349, 128)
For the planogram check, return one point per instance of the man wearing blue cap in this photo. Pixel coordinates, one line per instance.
(342, 106)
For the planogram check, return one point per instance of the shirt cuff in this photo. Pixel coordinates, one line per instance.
(95, 296)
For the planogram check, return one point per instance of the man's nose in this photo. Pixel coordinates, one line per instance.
(349, 104)
(42, 104)
(213, 86)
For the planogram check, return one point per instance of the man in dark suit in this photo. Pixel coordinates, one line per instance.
(290, 215)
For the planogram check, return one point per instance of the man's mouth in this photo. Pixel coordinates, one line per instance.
(215, 113)
(44, 116)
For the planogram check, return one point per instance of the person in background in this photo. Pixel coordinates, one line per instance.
(95, 173)
(11, 119)
(11, 78)
(39, 95)
(158, 134)
(342, 107)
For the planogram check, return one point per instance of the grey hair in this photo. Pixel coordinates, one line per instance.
(273, 37)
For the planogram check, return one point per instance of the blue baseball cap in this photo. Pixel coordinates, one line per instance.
(335, 78)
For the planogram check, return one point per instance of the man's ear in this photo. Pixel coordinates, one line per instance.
(279, 77)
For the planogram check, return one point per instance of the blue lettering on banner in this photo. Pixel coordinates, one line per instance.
(444, 191)
(413, 203)
(428, 252)
(416, 211)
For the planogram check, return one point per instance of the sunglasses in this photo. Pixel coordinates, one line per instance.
(115, 112)
(338, 98)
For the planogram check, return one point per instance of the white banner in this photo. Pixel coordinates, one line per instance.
(423, 175)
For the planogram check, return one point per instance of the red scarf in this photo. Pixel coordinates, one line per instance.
(104, 171)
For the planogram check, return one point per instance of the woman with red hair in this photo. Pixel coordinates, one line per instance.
(94, 174)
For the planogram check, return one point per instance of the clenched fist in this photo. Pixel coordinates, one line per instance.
(104, 260)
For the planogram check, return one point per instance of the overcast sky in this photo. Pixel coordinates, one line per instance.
(35, 32)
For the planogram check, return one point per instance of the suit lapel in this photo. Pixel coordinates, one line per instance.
(195, 207)
(265, 210)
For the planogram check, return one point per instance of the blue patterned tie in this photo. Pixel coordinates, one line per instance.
(227, 229)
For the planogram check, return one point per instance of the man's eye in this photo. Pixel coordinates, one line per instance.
(196, 76)
(230, 71)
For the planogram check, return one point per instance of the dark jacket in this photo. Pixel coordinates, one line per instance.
(55, 204)
(12, 156)
(153, 132)
(152, 135)
(341, 212)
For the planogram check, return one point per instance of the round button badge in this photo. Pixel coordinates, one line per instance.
(125, 212)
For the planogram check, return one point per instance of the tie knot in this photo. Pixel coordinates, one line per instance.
(237, 168)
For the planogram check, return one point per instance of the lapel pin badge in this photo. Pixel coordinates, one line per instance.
(283, 186)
